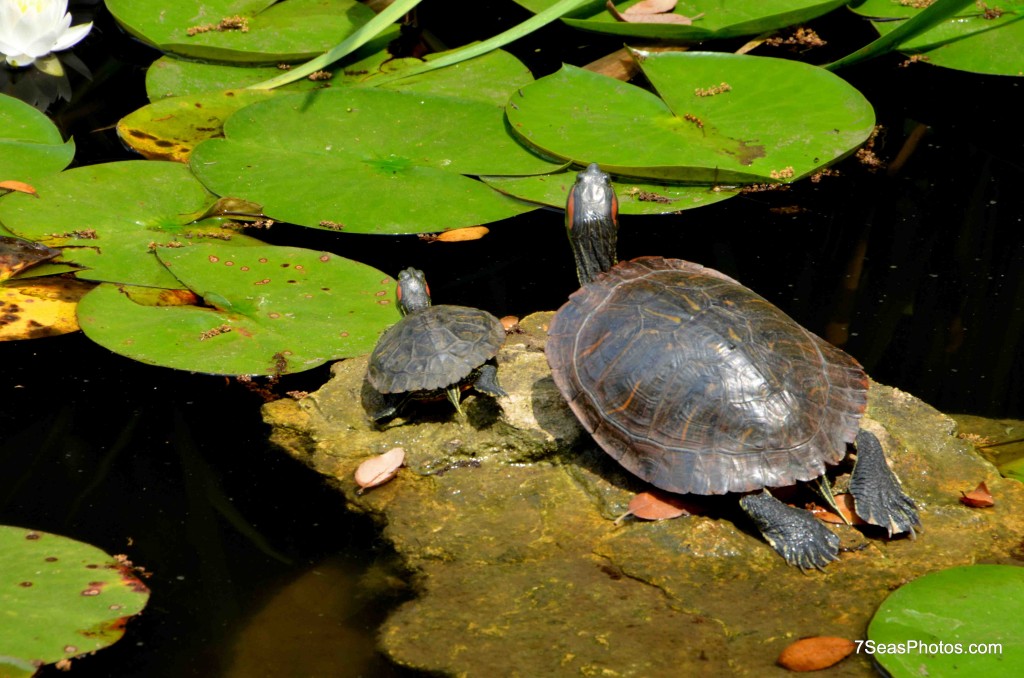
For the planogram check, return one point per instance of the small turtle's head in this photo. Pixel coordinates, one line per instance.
(592, 222)
(412, 294)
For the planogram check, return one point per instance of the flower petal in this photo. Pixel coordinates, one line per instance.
(71, 36)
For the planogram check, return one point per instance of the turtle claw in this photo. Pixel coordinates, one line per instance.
(794, 533)
(877, 495)
(454, 394)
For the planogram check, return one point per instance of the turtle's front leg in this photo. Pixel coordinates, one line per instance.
(798, 536)
(877, 495)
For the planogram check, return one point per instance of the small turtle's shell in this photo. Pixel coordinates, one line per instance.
(434, 348)
(697, 384)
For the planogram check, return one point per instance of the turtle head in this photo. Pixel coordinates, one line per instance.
(592, 222)
(412, 294)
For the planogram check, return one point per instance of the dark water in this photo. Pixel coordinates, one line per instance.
(918, 272)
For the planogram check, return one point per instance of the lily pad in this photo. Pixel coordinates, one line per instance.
(39, 307)
(250, 31)
(169, 128)
(368, 161)
(949, 623)
(634, 197)
(490, 77)
(109, 217)
(31, 146)
(720, 118)
(61, 599)
(267, 310)
(720, 18)
(979, 40)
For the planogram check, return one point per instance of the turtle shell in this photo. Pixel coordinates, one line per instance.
(434, 348)
(696, 384)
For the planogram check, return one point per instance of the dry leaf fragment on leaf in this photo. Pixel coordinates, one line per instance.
(652, 7)
(979, 497)
(19, 186)
(380, 469)
(658, 506)
(652, 12)
(814, 654)
(845, 503)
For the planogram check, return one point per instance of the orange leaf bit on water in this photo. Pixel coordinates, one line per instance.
(814, 654)
(380, 469)
(658, 506)
(979, 497)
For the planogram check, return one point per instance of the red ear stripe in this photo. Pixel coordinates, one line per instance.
(570, 209)
(615, 209)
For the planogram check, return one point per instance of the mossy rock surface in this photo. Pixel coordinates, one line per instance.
(506, 520)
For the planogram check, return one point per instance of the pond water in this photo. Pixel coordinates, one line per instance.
(919, 273)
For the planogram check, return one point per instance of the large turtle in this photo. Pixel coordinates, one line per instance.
(698, 385)
(432, 350)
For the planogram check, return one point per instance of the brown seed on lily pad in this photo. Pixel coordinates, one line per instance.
(814, 654)
(380, 469)
(979, 497)
(659, 506)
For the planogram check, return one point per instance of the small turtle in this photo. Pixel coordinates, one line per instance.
(432, 350)
(698, 385)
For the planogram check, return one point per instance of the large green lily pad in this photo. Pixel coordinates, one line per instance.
(291, 30)
(720, 118)
(975, 40)
(368, 161)
(268, 310)
(964, 621)
(30, 144)
(634, 197)
(60, 599)
(108, 217)
(169, 128)
(489, 77)
(721, 18)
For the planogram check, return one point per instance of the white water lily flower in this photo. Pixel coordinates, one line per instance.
(30, 29)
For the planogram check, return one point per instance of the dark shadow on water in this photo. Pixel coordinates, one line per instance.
(174, 471)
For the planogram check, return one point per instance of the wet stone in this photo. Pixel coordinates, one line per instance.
(505, 518)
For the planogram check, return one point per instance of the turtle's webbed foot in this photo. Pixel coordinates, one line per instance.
(877, 495)
(794, 533)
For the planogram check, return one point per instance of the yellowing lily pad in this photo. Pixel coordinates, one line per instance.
(168, 129)
(265, 310)
(39, 307)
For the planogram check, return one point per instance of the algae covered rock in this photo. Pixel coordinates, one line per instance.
(506, 520)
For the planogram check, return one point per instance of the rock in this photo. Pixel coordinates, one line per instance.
(506, 520)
